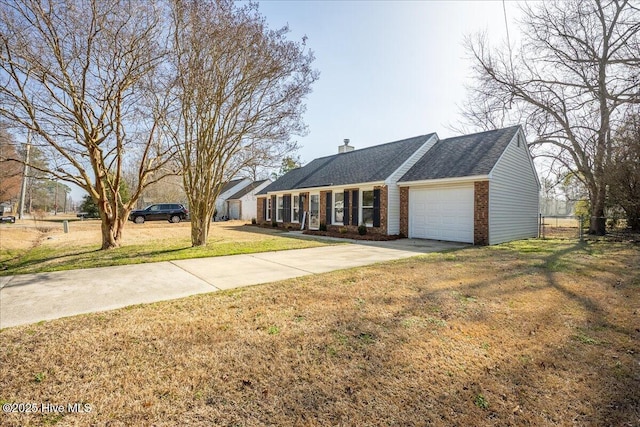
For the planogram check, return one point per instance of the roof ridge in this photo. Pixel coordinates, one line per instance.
(376, 146)
(468, 135)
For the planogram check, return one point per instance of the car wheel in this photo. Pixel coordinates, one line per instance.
(175, 219)
(139, 220)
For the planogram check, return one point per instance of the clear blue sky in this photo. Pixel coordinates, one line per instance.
(388, 69)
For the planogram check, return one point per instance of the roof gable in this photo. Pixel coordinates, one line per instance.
(229, 185)
(371, 164)
(246, 189)
(461, 156)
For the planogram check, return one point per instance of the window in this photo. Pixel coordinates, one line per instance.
(367, 208)
(268, 216)
(295, 209)
(280, 211)
(338, 208)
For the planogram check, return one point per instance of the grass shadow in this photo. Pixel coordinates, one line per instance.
(88, 258)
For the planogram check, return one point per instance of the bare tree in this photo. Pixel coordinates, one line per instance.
(239, 91)
(75, 73)
(10, 168)
(624, 178)
(573, 77)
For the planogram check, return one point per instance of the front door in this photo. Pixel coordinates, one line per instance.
(314, 211)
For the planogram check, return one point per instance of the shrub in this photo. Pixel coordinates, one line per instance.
(343, 230)
(582, 208)
(362, 229)
(254, 221)
(323, 226)
(274, 224)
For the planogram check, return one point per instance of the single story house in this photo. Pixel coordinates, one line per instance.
(480, 188)
(242, 204)
(228, 190)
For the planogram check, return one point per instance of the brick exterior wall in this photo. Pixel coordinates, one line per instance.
(260, 209)
(353, 228)
(323, 207)
(288, 225)
(384, 198)
(481, 213)
(404, 211)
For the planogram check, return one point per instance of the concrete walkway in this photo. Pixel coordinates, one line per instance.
(31, 298)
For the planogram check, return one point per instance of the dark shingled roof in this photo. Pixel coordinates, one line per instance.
(246, 189)
(229, 185)
(365, 165)
(466, 155)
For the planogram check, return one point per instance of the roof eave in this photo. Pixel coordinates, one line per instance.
(324, 188)
(453, 180)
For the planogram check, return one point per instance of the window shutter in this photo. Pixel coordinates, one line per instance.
(354, 207)
(301, 208)
(345, 219)
(376, 208)
(274, 208)
(264, 209)
(328, 210)
(286, 204)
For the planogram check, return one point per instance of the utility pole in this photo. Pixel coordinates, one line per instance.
(25, 172)
(55, 203)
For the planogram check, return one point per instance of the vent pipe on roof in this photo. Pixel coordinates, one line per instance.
(346, 147)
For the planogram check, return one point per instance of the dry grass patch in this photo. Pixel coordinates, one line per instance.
(531, 333)
(32, 247)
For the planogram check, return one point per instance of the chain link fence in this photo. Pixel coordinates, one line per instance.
(562, 227)
(577, 228)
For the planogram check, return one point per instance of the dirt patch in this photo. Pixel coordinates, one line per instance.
(529, 333)
(16, 237)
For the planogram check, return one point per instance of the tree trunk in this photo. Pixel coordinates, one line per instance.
(111, 232)
(112, 227)
(201, 215)
(597, 223)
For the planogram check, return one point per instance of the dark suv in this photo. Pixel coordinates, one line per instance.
(172, 212)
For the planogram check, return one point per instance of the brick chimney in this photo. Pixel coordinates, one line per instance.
(345, 148)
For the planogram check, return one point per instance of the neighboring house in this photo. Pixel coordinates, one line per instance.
(6, 208)
(480, 188)
(242, 205)
(229, 189)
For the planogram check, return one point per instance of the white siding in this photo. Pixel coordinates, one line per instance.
(513, 195)
(221, 201)
(248, 202)
(393, 191)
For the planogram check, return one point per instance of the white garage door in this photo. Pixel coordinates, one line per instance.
(234, 209)
(441, 213)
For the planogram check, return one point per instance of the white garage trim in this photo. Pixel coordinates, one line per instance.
(442, 213)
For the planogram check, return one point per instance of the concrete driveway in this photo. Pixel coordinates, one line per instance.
(31, 298)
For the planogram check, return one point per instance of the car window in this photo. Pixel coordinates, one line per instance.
(154, 208)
